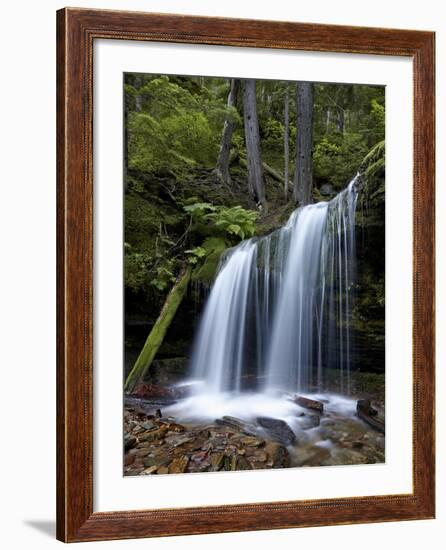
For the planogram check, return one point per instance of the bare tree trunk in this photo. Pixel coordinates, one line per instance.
(138, 98)
(303, 175)
(256, 183)
(286, 141)
(222, 168)
(341, 120)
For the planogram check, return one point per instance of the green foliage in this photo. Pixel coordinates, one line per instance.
(177, 127)
(377, 121)
(148, 221)
(234, 221)
(179, 217)
(163, 275)
(195, 254)
(198, 210)
(336, 160)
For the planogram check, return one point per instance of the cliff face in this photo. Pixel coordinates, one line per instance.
(369, 312)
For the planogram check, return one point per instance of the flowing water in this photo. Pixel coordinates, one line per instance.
(280, 308)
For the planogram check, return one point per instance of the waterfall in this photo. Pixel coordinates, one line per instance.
(279, 312)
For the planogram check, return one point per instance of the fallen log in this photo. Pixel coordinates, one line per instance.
(368, 414)
(270, 171)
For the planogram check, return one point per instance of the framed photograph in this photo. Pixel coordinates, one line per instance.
(245, 275)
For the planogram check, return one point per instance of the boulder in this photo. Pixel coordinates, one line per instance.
(237, 424)
(277, 429)
(368, 414)
(308, 403)
(309, 421)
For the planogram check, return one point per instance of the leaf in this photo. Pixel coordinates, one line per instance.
(233, 228)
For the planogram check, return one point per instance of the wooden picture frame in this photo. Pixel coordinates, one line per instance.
(76, 31)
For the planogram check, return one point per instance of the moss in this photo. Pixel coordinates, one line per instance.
(205, 272)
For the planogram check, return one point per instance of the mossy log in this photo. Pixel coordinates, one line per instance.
(159, 329)
(268, 170)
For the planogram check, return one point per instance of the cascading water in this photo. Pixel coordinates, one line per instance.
(279, 311)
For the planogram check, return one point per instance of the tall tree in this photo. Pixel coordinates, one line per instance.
(286, 141)
(222, 168)
(303, 174)
(138, 97)
(256, 181)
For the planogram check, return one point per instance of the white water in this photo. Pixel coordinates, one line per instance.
(206, 407)
(279, 313)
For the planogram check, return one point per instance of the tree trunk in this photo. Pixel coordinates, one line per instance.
(158, 332)
(303, 175)
(222, 168)
(340, 122)
(256, 182)
(286, 142)
(138, 98)
(267, 170)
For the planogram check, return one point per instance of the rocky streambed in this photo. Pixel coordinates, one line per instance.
(158, 442)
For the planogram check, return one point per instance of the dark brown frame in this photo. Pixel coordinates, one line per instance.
(76, 31)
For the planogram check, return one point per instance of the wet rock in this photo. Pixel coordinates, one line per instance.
(308, 403)
(381, 443)
(129, 459)
(153, 434)
(149, 425)
(313, 456)
(227, 463)
(179, 465)
(277, 429)
(174, 427)
(156, 461)
(347, 456)
(277, 454)
(130, 441)
(258, 455)
(238, 424)
(252, 441)
(310, 421)
(368, 414)
(180, 392)
(197, 445)
(142, 452)
(233, 463)
(217, 460)
(177, 441)
(150, 470)
(197, 467)
(151, 391)
(199, 457)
